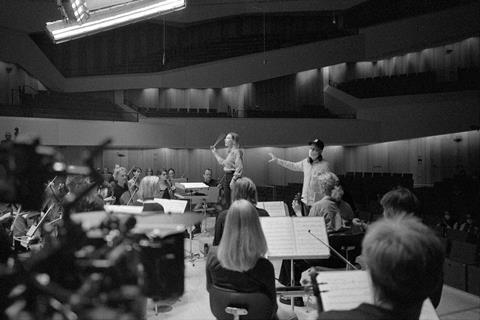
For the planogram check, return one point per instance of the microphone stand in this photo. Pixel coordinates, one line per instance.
(338, 254)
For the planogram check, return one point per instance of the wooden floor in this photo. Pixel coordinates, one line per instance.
(194, 304)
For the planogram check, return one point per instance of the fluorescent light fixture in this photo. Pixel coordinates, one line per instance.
(110, 18)
(75, 10)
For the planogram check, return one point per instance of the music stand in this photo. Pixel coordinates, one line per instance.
(192, 257)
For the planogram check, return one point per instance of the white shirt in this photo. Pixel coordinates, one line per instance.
(309, 171)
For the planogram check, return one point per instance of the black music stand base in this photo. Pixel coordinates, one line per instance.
(192, 257)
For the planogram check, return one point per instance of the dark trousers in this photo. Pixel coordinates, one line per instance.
(227, 192)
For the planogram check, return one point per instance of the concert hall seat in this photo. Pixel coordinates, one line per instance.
(454, 274)
(473, 276)
(229, 304)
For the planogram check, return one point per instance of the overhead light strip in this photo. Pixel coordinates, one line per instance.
(106, 19)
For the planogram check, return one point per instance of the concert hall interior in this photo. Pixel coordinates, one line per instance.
(222, 156)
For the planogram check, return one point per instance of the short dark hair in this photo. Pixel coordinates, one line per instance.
(404, 258)
(399, 200)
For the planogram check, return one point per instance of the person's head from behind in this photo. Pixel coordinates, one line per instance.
(232, 140)
(8, 136)
(244, 188)
(399, 201)
(207, 175)
(243, 241)
(149, 188)
(405, 261)
(328, 184)
(120, 175)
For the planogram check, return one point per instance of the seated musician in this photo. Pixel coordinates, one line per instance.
(336, 212)
(209, 181)
(120, 184)
(166, 191)
(148, 190)
(330, 205)
(244, 188)
(134, 182)
(401, 201)
(239, 263)
(405, 261)
(207, 178)
(91, 202)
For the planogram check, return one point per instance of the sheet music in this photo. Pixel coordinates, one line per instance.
(307, 245)
(344, 290)
(279, 234)
(192, 185)
(428, 311)
(123, 209)
(274, 208)
(171, 205)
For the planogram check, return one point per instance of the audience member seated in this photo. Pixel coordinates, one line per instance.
(244, 188)
(447, 222)
(470, 227)
(238, 263)
(405, 261)
(119, 184)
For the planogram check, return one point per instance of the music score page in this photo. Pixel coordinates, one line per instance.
(345, 290)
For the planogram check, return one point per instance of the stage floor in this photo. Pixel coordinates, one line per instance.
(194, 304)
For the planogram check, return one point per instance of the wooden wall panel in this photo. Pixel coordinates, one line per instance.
(429, 159)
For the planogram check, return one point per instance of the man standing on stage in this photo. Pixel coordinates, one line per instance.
(311, 166)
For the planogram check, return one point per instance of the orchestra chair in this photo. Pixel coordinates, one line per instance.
(350, 246)
(227, 304)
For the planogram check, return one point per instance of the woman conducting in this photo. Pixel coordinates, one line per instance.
(232, 164)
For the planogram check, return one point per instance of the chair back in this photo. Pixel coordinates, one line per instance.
(258, 305)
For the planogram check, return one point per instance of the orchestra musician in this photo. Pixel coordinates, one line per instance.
(232, 164)
(135, 181)
(166, 191)
(148, 190)
(404, 259)
(120, 184)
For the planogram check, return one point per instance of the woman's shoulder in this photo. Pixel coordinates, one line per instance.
(264, 264)
(212, 258)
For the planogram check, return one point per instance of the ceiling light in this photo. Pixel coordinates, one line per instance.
(109, 18)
